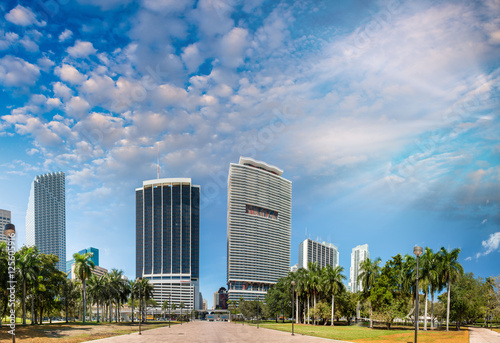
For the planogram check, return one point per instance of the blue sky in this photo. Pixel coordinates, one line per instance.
(384, 114)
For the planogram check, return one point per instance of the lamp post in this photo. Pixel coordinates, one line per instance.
(258, 305)
(417, 251)
(140, 304)
(10, 231)
(293, 304)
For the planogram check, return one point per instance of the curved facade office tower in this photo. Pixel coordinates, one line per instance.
(358, 255)
(259, 212)
(46, 216)
(168, 239)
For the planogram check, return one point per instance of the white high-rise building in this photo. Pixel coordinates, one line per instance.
(322, 253)
(358, 255)
(5, 218)
(259, 213)
(46, 216)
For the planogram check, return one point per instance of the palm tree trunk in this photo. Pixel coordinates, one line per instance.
(333, 305)
(371, 320)
(98, 310)
(116, 312)
(132, 309)
(84, 301)
(24, 302)
(448, 306)
(432, 311)
(308, 310)
(297, 308)
(109, 307)
(425, 315)
(314, 316)
(32, 308)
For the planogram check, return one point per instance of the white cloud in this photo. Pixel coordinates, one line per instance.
(28, 44)
(66, 34)
(81, 49)
(70, 74)
(232, 47)
(106, 5)
(492, 243)
(15, 72)
(7, 38)
(484, 221)
(45, 63)
(22, 16)
(61, 90)
(191, 57)
(77, 107)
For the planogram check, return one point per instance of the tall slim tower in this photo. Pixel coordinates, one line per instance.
(358, 255)
(259, 212)
(322, 253)
(168, 239)
(46, 216)
(5, 218)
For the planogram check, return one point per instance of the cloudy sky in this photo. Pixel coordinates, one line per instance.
(384, 114)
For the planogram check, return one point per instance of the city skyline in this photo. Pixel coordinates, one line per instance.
(384, 115)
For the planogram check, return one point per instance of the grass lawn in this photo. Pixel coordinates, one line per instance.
(497, 330)
(73, 332)
(364, 335)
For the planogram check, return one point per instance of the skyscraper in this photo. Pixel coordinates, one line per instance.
(322, 253)
(167, 239)
(5, 218)
(94, 258)
(259, 212)
(358, 255)
(46, 216)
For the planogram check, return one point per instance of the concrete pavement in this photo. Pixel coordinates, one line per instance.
(482, 335)
(202, 331)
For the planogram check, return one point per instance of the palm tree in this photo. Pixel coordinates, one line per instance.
(430, 280)
(118, 289)
(301, 276)
(181, 306)
(69, 291)
(315, 282)
(146, 293)
(368, 273)
(332, 283)
(165, 307)
(134, 290)
(27, 266)
(83, 269)
(450, 272)
(174, 307)
(96, 290)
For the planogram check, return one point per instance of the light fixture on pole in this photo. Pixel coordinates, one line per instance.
(417, 251)
(9, 231)
(293, 303)
(140, 304)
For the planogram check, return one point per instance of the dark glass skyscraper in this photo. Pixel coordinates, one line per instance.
(167, 239)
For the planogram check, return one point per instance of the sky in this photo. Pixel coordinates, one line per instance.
(383, 114)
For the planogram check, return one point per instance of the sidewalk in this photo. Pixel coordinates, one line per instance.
(482, 335)
(201, 331)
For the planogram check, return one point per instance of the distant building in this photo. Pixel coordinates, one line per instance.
(99, 271)
(358, 255)
(322, 253)
(46, 216)
(220, 299)
(94, 258)
(5, 218)
(294, 268)
(259, 212)
(205, 304)
(168, 239)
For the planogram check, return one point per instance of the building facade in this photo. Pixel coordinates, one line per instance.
(358, 255)
(259, 212)
(168, 239)
(46, 216)
(94, 258)
(5, 218)
(220, 299)
(323, 254)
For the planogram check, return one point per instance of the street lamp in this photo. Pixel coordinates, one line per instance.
(293, 303)
(140, 304)
(417, 251)
(9, 231)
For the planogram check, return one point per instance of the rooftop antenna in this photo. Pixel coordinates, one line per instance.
(158, 162)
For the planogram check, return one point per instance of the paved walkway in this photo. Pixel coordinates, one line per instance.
(482, 335)
(201, 331)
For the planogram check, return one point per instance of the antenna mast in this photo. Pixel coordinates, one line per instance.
(158, 163)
